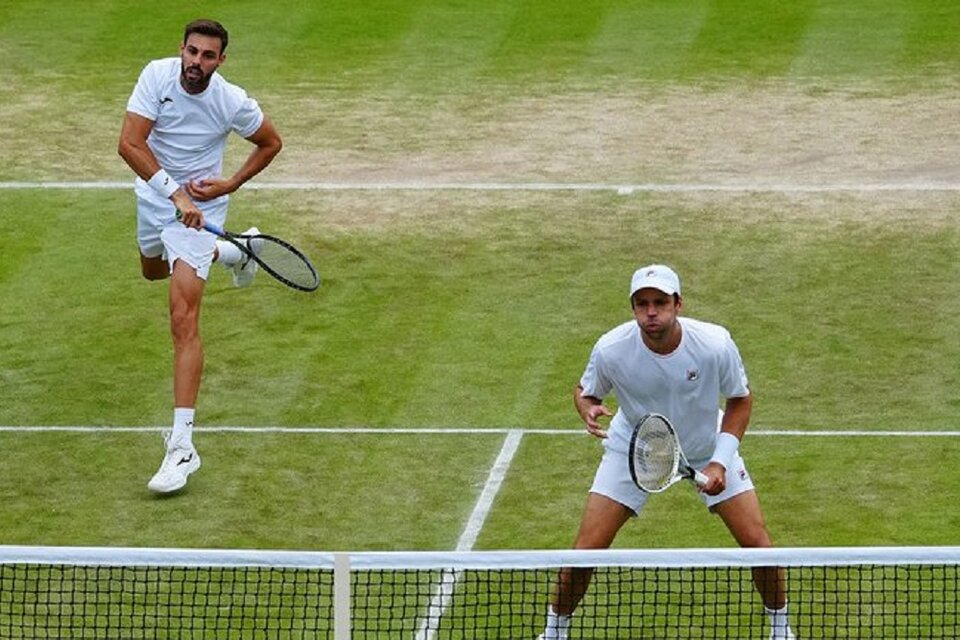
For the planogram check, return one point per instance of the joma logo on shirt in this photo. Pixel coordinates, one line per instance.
(693, 375)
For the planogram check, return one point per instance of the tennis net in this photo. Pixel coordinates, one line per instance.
(844, 592)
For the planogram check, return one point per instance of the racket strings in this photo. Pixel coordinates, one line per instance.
(654, 455)
(285, 262)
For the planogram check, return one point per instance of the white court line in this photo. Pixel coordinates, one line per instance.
(622, 189)
(849, 433)
(494, 481)
(449, 578)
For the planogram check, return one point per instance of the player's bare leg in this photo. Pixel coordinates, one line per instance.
(602, 519)
(155, 268)
(744, 518)
(186, 294)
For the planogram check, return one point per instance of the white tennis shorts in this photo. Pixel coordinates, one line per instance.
(613, 481)
(159, 233)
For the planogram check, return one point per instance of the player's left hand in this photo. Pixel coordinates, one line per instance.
(208, 188)
(716, 479)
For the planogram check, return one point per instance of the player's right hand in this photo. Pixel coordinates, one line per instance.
(187, 212)
(716, 479)
(590, 419)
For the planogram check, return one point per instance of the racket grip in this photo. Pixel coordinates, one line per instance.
(214, 229)
(209, 226)
(699, 478)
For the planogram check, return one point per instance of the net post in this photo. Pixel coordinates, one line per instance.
(341, 596)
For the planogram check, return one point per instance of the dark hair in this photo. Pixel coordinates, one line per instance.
(210, 28)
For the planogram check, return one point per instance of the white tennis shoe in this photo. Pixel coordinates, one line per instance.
(784, 633)
(177, 465)
(246, 268)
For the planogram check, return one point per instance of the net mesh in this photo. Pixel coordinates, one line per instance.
(64, 601)
(709, 594)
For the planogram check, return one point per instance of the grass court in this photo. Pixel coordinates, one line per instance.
(795, 163)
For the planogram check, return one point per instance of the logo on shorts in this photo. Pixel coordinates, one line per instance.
(743, 474)
(693, 375)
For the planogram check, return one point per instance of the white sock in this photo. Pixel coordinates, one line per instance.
(182, 435)
(557, 626)
(779, 621)
(228, 253)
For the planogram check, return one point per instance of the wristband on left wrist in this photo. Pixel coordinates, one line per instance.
(725, 449)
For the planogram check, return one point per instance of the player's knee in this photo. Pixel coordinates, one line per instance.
(184, 336)
(589, 543)
(153, 275)
(597, 537)
(756, 538)
(184, 324)
(154, 268)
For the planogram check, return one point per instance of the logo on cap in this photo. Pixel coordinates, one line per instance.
(657, 276)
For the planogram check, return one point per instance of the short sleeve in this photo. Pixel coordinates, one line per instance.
(593, 381)
(733, 374)
(145, 100)
(248, 119)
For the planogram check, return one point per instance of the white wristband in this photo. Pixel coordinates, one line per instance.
(727, 445)
(163, 184)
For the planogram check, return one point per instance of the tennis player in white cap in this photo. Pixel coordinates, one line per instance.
(660, 362)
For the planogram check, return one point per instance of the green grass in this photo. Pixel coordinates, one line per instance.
(485, 321)
(457, 308)
(495, 315)
(465, 309)
(252, 505)
(414, 65)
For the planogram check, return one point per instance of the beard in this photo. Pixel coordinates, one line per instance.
(193, 78)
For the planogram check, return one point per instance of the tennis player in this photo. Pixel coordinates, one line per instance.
(679, 367)
(178, 119)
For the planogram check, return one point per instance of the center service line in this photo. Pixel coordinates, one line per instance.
(449, 578)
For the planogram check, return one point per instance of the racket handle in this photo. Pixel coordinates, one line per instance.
(214, 229)
(699, 478)
(209, 226)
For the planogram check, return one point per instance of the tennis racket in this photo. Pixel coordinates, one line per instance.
(277, 257)
(656, 459)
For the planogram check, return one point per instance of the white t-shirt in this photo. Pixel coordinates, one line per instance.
(190, 132)
(685, 385)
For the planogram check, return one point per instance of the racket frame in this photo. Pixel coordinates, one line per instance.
(237, 240)
(682, 470)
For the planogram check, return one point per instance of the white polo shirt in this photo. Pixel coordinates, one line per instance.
(686, 385)
(190, 132)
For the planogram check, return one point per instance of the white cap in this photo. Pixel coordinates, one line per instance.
(655, 276)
